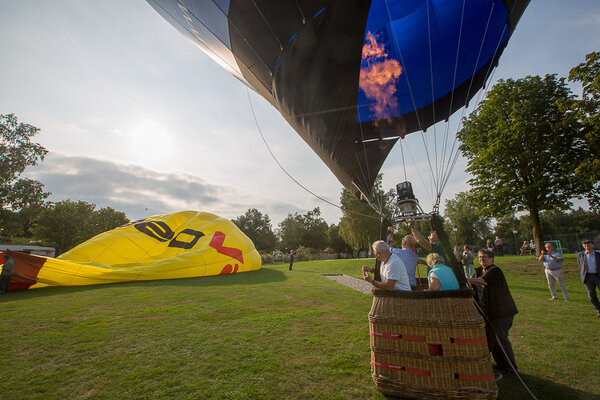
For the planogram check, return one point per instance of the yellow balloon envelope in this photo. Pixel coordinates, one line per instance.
(178, 245)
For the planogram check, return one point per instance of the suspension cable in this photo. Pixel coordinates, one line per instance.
(289, 175)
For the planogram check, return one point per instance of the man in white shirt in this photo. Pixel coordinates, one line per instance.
(553, 263)
(393, 271)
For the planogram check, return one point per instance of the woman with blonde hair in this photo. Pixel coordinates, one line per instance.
(441, 276)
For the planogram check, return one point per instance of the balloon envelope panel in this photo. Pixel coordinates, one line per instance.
(177, 245)
(352, 77)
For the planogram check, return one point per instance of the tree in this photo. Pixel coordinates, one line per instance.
(471, 228)
(588, 110)
(69, 223)
(257, 227)
(523, 144)
(335, 242)
(308, 230)
(17, 152)
(360, 224)
(19, 223)
(19, 197)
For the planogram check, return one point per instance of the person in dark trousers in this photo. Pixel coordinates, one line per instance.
(8, 269)
(499, 309)
(589, 268)
(292, 252)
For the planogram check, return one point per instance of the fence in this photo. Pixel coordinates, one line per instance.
(569, 242)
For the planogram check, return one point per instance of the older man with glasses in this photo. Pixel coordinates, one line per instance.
(393, 271)
(499, 309)
(589, 266)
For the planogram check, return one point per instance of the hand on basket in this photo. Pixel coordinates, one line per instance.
(477, 281)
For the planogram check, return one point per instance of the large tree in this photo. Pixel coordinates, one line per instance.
(588, 110)
(20, 198)
(17, 152)
(68, 223)
(523, 144)
(335, 242)
(308, 230)
(360, 223)
(468, 226)
(257, 226)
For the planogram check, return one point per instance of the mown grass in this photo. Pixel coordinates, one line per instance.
(269, 334)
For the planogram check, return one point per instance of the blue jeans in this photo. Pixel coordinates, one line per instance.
(592, 282)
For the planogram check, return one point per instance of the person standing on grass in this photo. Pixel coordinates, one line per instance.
(499, 308)
(292, 252)
(499, 243)
(489, 245)
(553, 262)
(468, 258)
(8, 270)
(589, 267)
(393, 271)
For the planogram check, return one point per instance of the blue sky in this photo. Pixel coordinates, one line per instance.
(137, 118)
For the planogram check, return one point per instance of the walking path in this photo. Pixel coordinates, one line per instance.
(357, 284)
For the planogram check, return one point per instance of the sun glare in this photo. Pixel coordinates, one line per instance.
(150, 143)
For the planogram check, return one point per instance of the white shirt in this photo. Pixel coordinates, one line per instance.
(394, 269)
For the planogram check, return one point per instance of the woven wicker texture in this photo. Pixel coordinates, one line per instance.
(430, 346)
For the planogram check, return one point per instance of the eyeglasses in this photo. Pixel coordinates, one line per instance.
(484, 257)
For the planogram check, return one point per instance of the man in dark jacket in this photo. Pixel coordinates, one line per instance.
(500, 309)
(8, 269)
(589, 267)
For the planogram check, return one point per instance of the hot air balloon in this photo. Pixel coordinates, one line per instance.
(353, 77)
(183, 244)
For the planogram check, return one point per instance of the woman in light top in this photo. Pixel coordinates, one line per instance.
(441, 276)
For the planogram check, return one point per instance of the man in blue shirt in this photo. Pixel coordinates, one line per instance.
(409, 257)
(589, 263)
(552, 261)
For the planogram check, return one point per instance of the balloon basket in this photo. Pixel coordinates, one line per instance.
(430, 345)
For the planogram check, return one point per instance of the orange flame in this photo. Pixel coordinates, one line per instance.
(378, 78)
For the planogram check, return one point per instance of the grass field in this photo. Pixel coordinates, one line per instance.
(269, 334)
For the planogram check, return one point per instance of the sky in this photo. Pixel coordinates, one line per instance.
(137, 118)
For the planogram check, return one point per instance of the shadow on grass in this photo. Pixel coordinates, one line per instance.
(510, 387)
(264, 275)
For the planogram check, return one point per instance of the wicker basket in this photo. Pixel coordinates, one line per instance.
(430, 345)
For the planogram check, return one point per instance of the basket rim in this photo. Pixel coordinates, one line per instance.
(424, 294)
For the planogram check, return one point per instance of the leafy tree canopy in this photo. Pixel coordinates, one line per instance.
(257, 226)
(17, 152)
(335, 241)
(523, 144)
(468, 226)
(308, 230)
(588, 110)
(359, 225)
(69, 223)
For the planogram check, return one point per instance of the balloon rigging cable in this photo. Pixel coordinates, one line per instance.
(439, 175)
(285, 171)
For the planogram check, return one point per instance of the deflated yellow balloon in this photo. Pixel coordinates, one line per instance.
(178, 245)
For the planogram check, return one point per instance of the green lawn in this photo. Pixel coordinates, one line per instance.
(268, 334)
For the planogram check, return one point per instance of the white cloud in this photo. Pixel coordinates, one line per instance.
(140, 192)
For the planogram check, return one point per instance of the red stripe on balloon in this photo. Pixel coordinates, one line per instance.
(217, 243)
